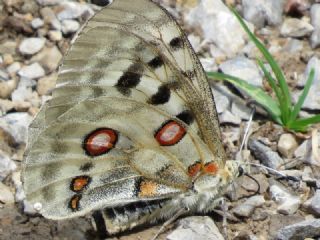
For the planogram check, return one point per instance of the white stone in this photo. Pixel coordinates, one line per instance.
(30, 46)
(293, 27)
(37, 23)
(14, 68)
(228, 117)
(69, 26)
(243, 68)
(55, 35)
(287, 203)
(287, 144)
(246, 209)
(209, 64)
(21, 94)
(219, 26)
(73, 10)
(6, 164)
(260, 12)
(16, 124)
(196, 228)
(32, 71)
(315, 21)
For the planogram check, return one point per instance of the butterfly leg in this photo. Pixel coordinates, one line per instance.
(178, 214)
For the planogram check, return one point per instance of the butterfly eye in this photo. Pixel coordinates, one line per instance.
(240, 171)
(100, 141)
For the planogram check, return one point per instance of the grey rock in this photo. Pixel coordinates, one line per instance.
(265, 154)
(312, 102)
(243, 68)
(32, 71)
(219, 26)
(240, 110)
(313, 204)
(37, 23)
(288, 203)
(73, 10)
(293, 46)
(14, 68)
(315, 21)
(21, 94)
(16, 179)
(30, 46)
(50, 18)
(304, 153)
(49, 58)
(196, 228)
(6, 196)
(301, 230)
(228, 117)
(4, 76)
(27, 82)
(260, 12)
(209, 64)
(16, 124)
(287, 144)
(293, 27)
(6, 164)
(246, 209)
(69, 26)
(222, 101)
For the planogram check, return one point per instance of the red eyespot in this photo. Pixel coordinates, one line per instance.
(79, 183)
(170, 133)
(194, 169)
(100, 141)
(211, 168)
(74, 203)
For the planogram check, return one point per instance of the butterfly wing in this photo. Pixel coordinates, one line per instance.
(132, 117)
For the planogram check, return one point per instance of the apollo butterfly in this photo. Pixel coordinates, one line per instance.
(131, 133)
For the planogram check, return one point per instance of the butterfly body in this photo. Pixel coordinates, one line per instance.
(132, 121)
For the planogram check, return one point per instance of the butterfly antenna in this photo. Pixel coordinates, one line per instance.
(246, 133)
(276, 172)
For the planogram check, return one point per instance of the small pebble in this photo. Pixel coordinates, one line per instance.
(30, 46)
(32, 71)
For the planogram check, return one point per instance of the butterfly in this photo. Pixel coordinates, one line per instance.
(131, 134)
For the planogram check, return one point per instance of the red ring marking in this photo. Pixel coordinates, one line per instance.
(211, 168)
(100, 141)
(170, 133)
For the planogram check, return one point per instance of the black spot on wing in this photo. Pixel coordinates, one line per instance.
(186, 116)
(176, 43)
(162, 96)
(156, 62)
(129, 79)
(86, 167)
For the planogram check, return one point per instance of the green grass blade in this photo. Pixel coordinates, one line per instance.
(302, 97)
(254, 92)
(306, 121)
(271, 81)
(274, 66)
